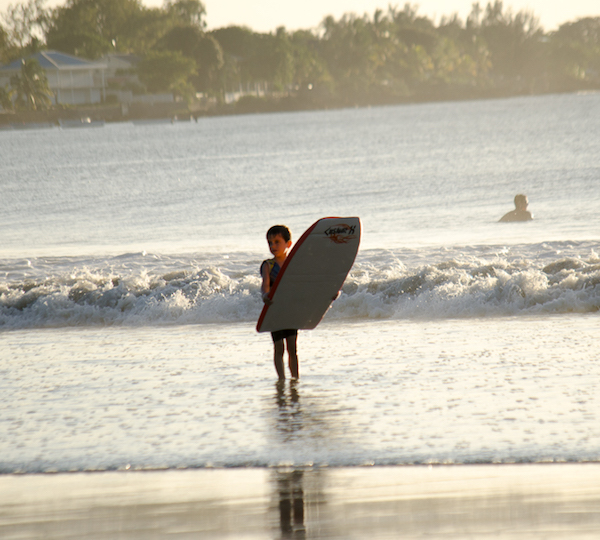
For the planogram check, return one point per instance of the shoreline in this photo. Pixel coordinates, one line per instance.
(542, 500)
(97, 116)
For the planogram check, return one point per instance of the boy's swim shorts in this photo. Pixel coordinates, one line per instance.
(281, 334)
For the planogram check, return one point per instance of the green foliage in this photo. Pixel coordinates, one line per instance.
(183, 39)
(239, 46)
(5, 46)
(210, 61)
(513, 41)
(92, 28)
(384, 57)
(396, 54)
(6, 95)
(31, 87)
(165, 71)
(187, 12)
(576, 48)
(251, 57)
(204, 49)
(22, 30)
(310, 69)
(25, 21)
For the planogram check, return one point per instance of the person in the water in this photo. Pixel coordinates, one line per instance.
(520, 213)
(279, 238)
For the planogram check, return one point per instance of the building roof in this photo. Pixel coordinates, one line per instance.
(124, 57)
(54, 60)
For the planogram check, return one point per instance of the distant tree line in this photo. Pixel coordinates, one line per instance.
(387, 57)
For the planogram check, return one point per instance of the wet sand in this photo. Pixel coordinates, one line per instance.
(548, 501)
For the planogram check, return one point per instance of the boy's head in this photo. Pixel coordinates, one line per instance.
(281, 230)
(279, 239)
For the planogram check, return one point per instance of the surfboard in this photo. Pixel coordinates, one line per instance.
(312, 274)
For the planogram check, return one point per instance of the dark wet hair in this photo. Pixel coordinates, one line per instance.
(280, 229)
(521, 200)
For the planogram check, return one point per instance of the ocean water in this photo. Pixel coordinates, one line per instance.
(129, 289)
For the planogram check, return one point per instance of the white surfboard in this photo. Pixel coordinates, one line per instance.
(311, 276)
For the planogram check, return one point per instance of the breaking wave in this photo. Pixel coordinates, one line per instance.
(137, 289)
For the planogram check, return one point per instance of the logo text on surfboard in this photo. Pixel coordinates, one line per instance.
(341, 233)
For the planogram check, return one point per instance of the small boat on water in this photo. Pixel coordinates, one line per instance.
(167, 120)
(82, 122)
(27, 125)
(151, 121)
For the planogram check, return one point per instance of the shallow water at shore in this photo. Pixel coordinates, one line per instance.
(389, 392)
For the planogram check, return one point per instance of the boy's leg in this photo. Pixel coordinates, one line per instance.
(293, 356)
(278, 358)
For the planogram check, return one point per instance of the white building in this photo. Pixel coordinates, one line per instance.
(73, 81)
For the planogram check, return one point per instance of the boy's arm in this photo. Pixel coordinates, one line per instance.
(266, 284)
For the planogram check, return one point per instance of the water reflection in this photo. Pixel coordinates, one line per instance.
(289, 418)
(289, 482)
(291, 503)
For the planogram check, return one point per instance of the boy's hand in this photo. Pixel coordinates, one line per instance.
(266, 299)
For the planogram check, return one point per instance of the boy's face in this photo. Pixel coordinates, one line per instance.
(277, 245)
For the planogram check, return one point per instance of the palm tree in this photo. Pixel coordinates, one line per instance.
(6, 95)
(31, 86)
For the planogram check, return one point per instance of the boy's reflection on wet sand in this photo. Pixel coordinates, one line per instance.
(289, 482)
(291, 503)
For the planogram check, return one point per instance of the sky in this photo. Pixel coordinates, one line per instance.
(267, 15)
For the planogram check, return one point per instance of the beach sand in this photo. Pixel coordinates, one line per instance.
(548, 501)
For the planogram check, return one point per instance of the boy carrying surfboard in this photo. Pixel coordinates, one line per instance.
(298, 285)
(279, 239)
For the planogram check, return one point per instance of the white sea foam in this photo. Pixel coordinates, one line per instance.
(137, 289)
